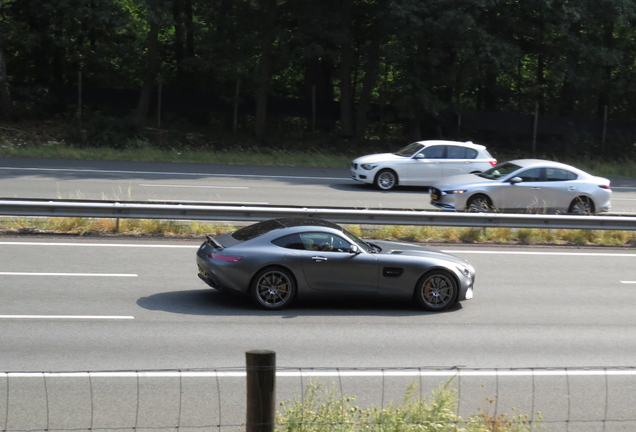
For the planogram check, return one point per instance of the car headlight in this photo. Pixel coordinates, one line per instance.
(368, 167)
(456, 191)
(464, 271)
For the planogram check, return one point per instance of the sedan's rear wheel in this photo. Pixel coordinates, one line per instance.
(386, 179)
(436, 290)
(581, 206)
(273, 288)
(479, 204)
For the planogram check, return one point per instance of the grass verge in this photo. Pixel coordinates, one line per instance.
(325, 410)
(412, 234)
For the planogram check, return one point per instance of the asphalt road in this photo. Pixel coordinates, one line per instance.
(107, 305)
(73, 304)
(228, 184)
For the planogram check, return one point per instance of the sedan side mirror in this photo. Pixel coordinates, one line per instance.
(515, 180)
(354, 249)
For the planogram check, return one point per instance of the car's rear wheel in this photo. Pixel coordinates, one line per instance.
(479, 204)
(386, 179)
(273, 288)
(436, 290)
(581, 206)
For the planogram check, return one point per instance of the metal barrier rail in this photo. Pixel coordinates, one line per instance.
(136, 210)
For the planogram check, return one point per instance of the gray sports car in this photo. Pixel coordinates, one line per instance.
(276, 260)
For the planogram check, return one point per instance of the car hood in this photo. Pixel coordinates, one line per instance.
(453, 182)
(408, 249)
(379, 157)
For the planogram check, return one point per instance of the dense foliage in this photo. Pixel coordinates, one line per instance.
(423, 59)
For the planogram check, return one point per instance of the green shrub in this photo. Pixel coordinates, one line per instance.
(321, 410)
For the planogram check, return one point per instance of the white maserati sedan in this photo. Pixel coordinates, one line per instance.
(525, 185)
(421, 164)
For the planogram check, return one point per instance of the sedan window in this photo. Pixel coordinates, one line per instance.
(558, 174)
(530, 175)
(499, 171)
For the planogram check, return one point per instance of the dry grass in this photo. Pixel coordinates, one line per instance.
(412, 234)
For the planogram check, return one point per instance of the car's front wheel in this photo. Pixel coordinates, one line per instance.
(273, 288)
(436, 290)
(479, 204)
(386, 179)
(581, 206)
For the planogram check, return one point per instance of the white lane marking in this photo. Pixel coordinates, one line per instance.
(218, 202)
(193, 186)
(97, 245)
(628, 282)
(159, 173)
(588, 254)
(67, 274)
(333, 373)
(90, 317)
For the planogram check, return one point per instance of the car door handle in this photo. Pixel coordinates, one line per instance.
(572, 188)
(319, 258)
(536, 188)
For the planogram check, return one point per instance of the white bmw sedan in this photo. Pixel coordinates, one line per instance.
(421, 164)
(525, 185)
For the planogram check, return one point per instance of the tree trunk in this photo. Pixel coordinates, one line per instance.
(368, 82)
(346, 90)
(5, 96)
(265, 66)
(150, 75)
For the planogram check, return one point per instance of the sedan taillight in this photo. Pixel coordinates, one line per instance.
(604, 187)
(493, 162)
(226, 258)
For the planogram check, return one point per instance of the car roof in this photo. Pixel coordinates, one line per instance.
(452, 143)
(525, 163)
(260, 228)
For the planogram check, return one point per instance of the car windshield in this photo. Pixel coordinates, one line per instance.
(361, 243)
(410, 150)
(499, 171)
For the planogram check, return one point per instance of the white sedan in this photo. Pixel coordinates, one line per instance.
(525, 185)
(421, 164)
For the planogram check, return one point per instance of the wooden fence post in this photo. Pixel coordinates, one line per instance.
(261, 390)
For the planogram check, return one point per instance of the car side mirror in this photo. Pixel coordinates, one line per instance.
(419, 156)
(515, 180)
(354, 249)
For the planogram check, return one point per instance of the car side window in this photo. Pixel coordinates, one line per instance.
(292, 241)
(458, 152)
(558, 174)
(433, 152)
(324, 242)
(531, 175)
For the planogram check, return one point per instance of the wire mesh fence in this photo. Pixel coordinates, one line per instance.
(553, 399)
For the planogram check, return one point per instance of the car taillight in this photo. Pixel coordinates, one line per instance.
(493, 162)
(604, 186)
(227, 258)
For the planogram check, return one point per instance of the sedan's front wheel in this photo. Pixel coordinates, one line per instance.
(479, 203)
(273, 288)
(436, 290)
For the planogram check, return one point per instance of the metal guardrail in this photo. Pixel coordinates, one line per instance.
(175, 211)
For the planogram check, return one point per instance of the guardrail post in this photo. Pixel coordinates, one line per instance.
(261, 390)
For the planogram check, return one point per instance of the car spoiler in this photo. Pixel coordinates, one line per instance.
(213, 242)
